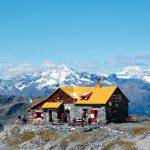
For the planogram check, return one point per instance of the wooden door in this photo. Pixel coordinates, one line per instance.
(50, 116)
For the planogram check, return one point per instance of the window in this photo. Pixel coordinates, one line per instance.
(85, 111)
(116, 105)
(38, 114)
(117, 98)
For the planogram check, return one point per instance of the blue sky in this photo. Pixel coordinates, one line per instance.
(97, 36)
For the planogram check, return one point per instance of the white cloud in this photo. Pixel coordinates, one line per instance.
(120, 61)
(114, 64)
(89, 66)
(45, 65)
(8, 70)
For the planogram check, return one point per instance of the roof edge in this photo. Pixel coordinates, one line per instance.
(43, 99)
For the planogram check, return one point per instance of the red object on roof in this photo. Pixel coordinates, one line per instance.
(82, 97)
(86, 95)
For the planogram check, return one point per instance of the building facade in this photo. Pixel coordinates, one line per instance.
(96, 103)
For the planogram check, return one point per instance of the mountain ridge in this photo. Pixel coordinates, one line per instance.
(61, 75)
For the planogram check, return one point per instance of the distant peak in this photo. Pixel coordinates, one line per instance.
(135, 72)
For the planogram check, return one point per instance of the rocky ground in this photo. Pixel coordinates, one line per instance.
(103, 137)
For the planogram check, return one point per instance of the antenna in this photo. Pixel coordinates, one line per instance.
(99, 81)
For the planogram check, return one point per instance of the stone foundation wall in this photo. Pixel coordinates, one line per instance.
(101, 112)
(75, 112)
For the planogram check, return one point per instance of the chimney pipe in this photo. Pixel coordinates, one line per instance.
(99, 82)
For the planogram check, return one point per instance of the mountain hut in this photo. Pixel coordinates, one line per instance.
(96, 103)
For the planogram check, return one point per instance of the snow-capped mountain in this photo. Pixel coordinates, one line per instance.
(58, 75)
(61, 75)
(133, 81)
(135, 72)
